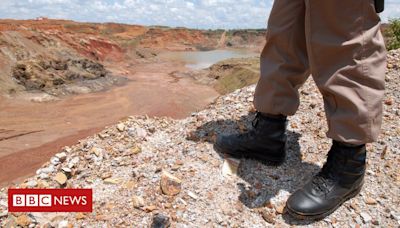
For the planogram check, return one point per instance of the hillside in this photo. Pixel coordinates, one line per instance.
(126, 165)
(49, 55)
(232, 74)
(61, 81)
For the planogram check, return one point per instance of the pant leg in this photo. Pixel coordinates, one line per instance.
(348, 60)
(284, 60)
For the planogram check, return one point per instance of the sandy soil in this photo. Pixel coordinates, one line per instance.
(38, 130)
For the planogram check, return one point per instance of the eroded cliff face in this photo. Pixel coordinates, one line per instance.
(41, 58)
(28, 47)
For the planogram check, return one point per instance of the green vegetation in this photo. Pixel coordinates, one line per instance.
(234, 74)
(393, 34)
(238, 79)
(162, 27)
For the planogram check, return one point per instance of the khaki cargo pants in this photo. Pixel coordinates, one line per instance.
(340, 44)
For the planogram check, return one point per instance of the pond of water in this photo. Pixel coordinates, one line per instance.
(203, 59)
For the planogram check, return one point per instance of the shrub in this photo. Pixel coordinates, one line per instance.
(393, 34)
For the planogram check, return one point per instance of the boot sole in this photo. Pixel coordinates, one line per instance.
(271, 161)
(303, 216)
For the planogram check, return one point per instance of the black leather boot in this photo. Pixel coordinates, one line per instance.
(340, 179)
(265, 142)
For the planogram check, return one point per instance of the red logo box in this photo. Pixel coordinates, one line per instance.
(50, 200)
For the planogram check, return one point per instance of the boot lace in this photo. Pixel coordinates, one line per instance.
(328, 174)
(256, 119)
(254, 124)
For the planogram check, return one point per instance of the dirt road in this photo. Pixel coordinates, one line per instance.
(30, 133)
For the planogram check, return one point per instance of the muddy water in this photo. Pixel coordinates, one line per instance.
(203, 59)
(30, 133)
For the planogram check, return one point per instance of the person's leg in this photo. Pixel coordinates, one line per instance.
(284, 68)
(284, 60)
(347, 58)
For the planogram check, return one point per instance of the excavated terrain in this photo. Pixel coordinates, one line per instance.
(164, 172)
(43, 54)
(61, 81)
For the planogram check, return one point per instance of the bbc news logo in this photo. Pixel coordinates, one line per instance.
(50, 200)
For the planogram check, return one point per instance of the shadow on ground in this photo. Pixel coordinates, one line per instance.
(262, 182)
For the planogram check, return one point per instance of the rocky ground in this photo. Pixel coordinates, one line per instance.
(159, 171)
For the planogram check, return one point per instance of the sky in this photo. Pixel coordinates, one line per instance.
(204, 14)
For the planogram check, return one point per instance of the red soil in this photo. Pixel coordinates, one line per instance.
(152, 91)
(35, 131)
